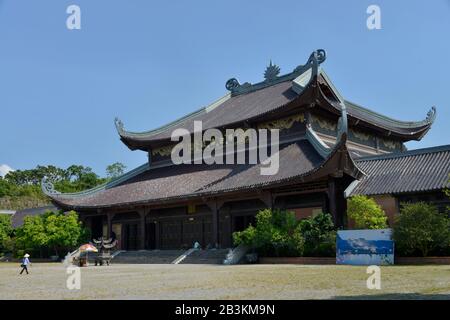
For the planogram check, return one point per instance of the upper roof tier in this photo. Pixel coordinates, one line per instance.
(246, 103)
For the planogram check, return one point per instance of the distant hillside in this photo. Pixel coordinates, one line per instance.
(21, 189)
(23, 202)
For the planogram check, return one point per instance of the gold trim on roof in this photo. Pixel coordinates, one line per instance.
(324, 123)
(360, 135)
(162, 151)
(284, 123)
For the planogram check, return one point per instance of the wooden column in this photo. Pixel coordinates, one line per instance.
(109, 217)
(332, 200)
(215, 207)
(157, 235)
(142, 214)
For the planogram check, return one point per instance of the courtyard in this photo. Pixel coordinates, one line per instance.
(121, 281)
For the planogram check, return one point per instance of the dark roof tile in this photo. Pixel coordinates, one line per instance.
(411, 171)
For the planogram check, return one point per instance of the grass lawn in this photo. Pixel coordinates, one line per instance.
(48, 281)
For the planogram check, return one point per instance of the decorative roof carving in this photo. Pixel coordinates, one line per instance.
(284, 123)
(271, 72)
(271, 75)
(119, 125)
(47, 187)
(431, 115)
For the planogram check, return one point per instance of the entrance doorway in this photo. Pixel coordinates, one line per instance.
(243, 222)
(131, 236)
(150, 236)
(97, 227)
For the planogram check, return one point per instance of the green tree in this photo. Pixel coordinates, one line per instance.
(63, 231)
(320, 235)
(420, 228)
(275, 234)
(115, 170)
(55, 230)
(366, 213)
(6, 231)
(32, 234)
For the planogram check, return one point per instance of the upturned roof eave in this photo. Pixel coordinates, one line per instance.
(406, 130)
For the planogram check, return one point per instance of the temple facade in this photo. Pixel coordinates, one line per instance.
(325, 145)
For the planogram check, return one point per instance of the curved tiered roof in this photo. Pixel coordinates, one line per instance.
(306, 159)
(249, 102)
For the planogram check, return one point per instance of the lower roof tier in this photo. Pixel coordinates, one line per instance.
(298, 162)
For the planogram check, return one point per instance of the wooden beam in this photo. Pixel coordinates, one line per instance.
(267, 198)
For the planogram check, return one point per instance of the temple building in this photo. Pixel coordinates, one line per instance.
(329, 148)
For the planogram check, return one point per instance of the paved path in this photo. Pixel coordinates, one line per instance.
(48, 281)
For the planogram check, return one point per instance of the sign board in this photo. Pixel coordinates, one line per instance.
(365, 247)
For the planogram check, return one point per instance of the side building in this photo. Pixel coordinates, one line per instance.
(321, 137)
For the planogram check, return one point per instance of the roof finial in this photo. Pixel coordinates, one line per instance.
(47, 187)
(119, 124)
(271, 72)
(431, 115)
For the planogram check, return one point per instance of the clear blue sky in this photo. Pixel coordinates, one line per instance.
(149, 62)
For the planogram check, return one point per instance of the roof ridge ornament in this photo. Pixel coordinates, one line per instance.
(431, 115)
(272, 72)
(271, 75)
(119, 125)
(47, 187)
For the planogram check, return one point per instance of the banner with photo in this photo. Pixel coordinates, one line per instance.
(365, 247)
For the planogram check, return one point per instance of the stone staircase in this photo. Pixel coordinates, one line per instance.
(147, 257)
(210, 256)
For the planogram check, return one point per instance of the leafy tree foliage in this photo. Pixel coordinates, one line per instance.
(115, 170)
(276, 234)
(320, 235)
(6, 231)
(421, 229)
(55, 230)
(366, 213)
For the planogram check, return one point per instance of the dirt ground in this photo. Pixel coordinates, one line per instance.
(48, 281)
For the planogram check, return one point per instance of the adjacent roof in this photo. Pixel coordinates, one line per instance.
(18, 218)
(411, 171)
(248, 102)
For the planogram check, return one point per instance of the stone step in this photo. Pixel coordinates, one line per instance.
(212, 256)
(147, 257)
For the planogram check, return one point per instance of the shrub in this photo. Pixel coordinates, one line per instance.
(366, 213)
(275, 234)
(320, 235)
(420, 229)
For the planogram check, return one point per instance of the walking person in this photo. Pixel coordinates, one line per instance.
(25, 263)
